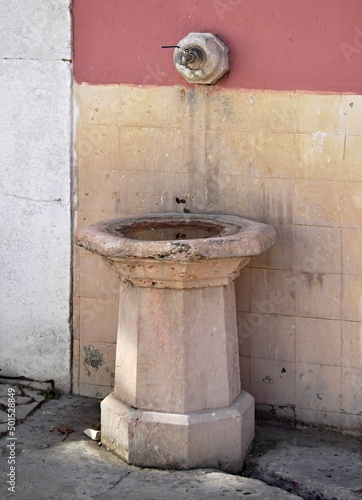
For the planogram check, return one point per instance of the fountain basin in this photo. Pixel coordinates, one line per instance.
(177, 250)
(177, 400)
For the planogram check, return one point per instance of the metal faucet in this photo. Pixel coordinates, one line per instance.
(201, 58)
(187, 56)
(192, 57)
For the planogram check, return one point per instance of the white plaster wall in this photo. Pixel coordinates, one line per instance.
(35, 189)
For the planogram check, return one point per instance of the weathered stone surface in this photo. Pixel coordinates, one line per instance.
(179, 275)
(19, 400)
(23, 400)
(33, 394)
(26, 399)
(24, 410)
(176, 401)
(237, 237)
(4, 390)
(177, 350)
(37, 385)
(218, 438)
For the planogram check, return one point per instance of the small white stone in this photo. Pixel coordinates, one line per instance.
(93, 434)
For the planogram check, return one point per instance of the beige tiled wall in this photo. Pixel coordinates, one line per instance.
(286, 158)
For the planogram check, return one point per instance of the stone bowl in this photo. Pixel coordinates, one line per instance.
(177, 250)
(175, 236)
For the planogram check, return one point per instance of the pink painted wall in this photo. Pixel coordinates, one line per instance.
(313, 45)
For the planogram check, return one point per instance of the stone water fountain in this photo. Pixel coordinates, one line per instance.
(177, 401)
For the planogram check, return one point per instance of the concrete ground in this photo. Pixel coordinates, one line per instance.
(314, 465)
(51, 465)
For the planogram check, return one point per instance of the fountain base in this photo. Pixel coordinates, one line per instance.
(218, 438)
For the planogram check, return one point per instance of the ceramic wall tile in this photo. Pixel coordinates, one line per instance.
(97, 104)
(271, 111)
(272, 291)
(99, 190)
(282, 254)
(317, 113)
(140, 107)
(319, 156)
(351, 108)
(96, 279)
(318, 419)
(94, 391)
(351, 424)
(318, 203)
(318, 249)
(318, 387)
(242, 290)
(352, 344)
(228, 153)
(272, 200)
(351, 165)
(352, 297)
(272, 381)
(98, 319)
(352, 204)
(271, 154)
(248, 325)
(352, 390)
(351, 251)
(245, 373)
(227, 110)
(140, 149)
(274, 338)
(97, 362)
(319, 295)
(98, 146)
(318, 341)
(289, 159)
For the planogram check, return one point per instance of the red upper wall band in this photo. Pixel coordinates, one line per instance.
(313, 45)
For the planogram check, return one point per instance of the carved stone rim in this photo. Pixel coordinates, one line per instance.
(239, 237)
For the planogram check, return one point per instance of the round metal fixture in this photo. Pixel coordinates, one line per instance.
(201, 58)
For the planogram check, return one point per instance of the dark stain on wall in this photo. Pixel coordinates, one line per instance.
(92, 358)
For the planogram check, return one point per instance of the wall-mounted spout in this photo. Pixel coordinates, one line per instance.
(192, 57)
(201, 58)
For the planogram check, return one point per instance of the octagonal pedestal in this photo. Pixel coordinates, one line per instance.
(217, 438)
(177, 400)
